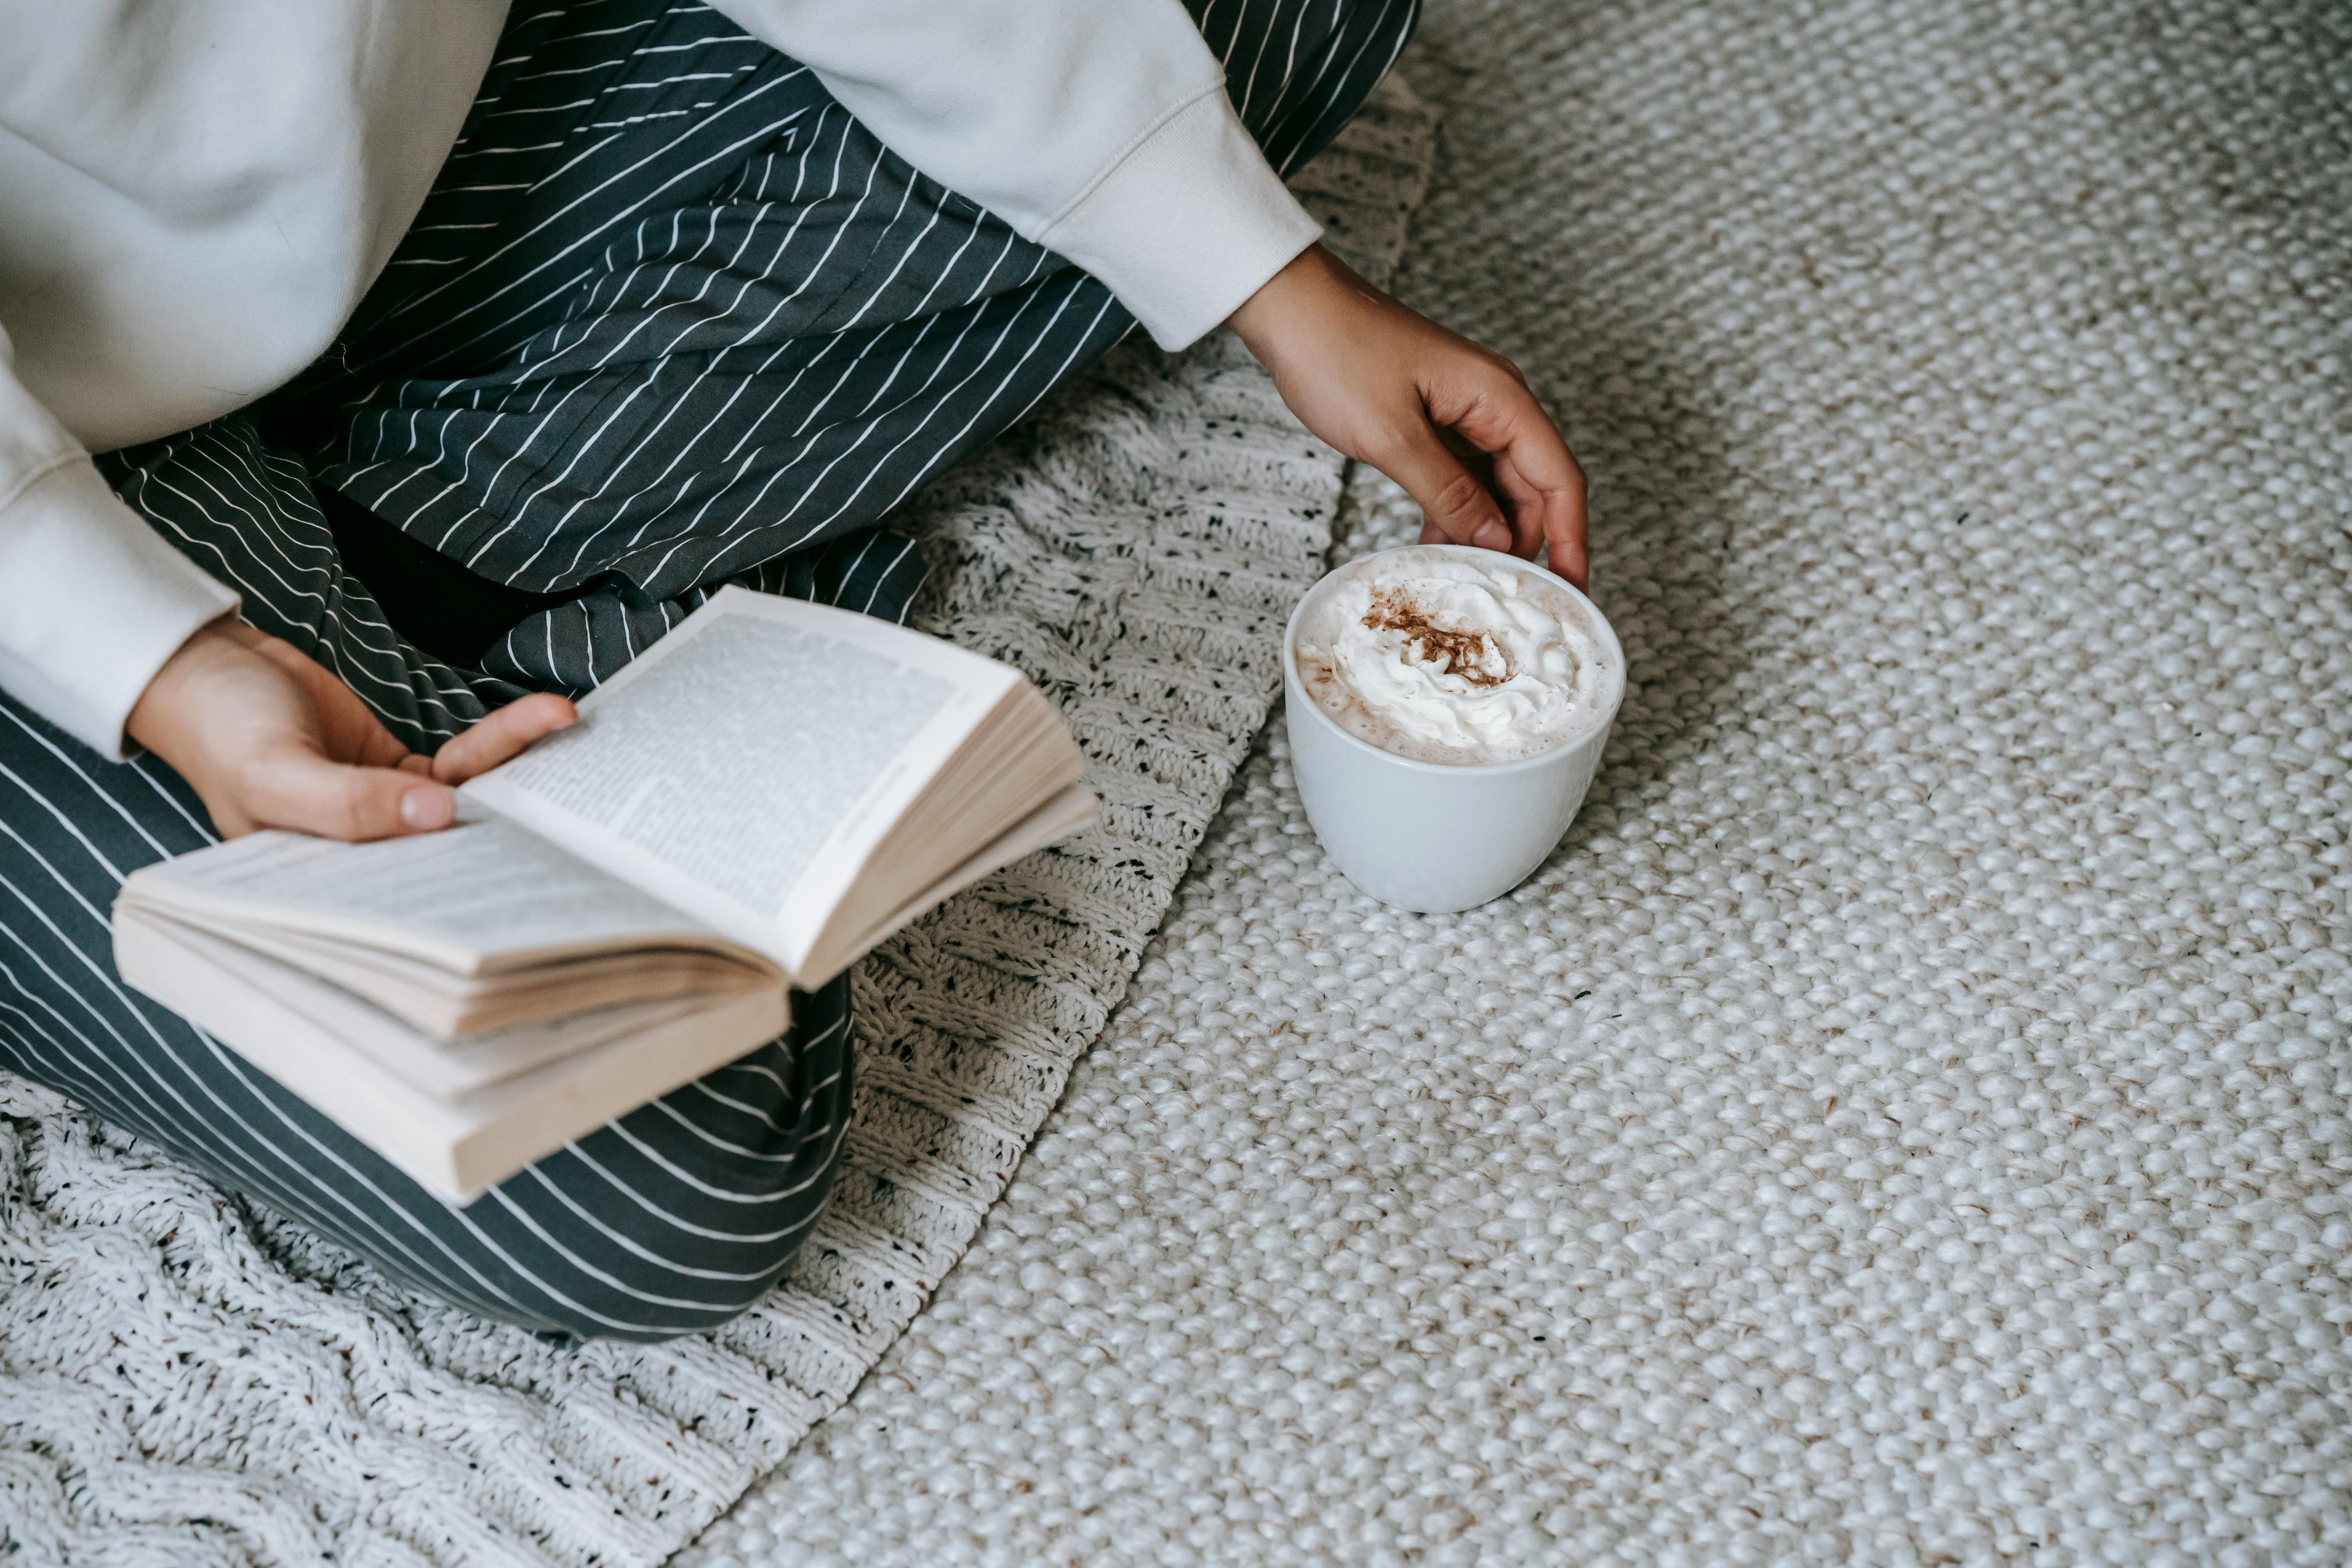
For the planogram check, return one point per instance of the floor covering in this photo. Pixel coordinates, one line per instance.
(1906, 1122)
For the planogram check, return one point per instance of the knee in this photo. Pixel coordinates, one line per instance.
(681, 1216)
(653, 1248)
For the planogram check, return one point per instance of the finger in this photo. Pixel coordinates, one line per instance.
(1533, 469)
(364, 741)
(1552, 519)
(501, 734)
(303, 791)
(1451, 499)
(1521, 504)
(1481, 465)
(1564, 533)
(229, 819)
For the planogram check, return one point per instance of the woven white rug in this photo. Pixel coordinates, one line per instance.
(186, 1381)
(1907, 1124)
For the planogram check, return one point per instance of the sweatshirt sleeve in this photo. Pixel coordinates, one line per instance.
(92, 601)
(1099, 129)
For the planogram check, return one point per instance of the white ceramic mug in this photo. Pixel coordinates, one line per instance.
(1436, 836)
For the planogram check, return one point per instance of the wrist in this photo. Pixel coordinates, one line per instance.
(1317, 296)
(1282, 299)
(155, 719)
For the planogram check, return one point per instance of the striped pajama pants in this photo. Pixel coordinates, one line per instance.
(669, 319)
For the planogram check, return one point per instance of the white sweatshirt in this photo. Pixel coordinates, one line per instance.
(195, 194)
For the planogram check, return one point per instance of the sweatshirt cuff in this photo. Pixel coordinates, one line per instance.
(95, 602)
(1188, 225)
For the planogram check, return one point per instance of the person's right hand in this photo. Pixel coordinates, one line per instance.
(1453, 423)
(268, 737)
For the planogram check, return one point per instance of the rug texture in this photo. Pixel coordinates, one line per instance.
(1906, 1124)
(186, 1380)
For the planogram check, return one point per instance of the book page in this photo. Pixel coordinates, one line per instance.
(288, 1025)
(750, 761)
(484, 894)
(438, 1067)
(1059, 817)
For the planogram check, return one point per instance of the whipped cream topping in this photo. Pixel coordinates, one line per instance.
(1447, 659)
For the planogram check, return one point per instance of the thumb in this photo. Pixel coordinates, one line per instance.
(303, 791)
(1450, 495)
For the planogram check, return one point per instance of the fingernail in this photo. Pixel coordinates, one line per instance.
(427, 809)
(1492, 535)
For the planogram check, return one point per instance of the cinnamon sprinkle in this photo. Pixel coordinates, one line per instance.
(1454, 652)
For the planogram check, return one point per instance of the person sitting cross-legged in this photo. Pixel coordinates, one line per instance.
(597, 307)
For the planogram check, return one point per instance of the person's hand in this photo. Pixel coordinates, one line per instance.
(267, 738)
(1453, 424)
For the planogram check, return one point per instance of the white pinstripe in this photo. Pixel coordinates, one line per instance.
(650, 159)
(600, 1276)
(687, 1227)
(635, 1249)
(330, 614)
(651, 370)
(133, 822)
(943, 361)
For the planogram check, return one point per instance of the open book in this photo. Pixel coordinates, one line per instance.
(769, 791)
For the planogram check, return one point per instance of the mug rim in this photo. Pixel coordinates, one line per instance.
(1295, 686)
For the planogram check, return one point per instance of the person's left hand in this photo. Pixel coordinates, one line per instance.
(1451, 423)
